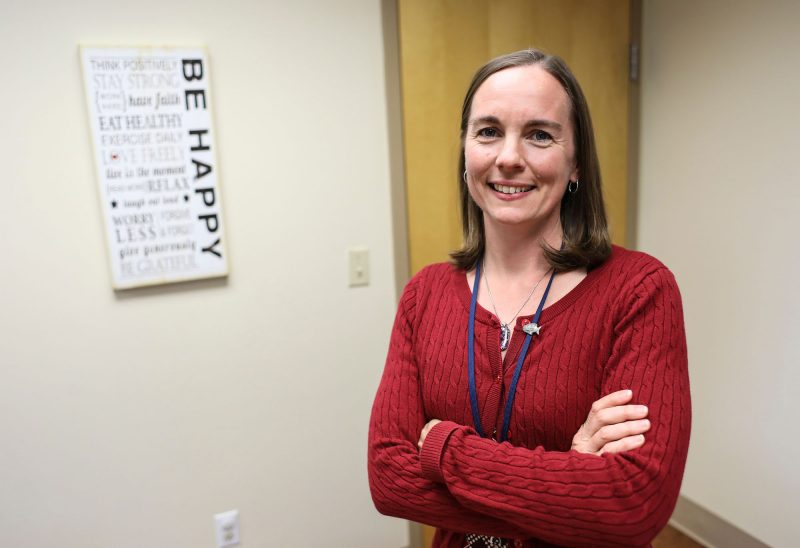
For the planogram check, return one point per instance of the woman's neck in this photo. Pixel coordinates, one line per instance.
(516, 251)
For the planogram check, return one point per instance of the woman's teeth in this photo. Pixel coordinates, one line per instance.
(511, 189)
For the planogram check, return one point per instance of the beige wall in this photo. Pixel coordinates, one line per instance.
(719, 199)
(128, 420)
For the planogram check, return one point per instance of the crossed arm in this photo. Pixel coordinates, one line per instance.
(612, 426)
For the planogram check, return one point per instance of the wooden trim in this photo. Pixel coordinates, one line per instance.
(394, 122)
(634, 133)
(414, 535)
(708, 529)
(397, 177)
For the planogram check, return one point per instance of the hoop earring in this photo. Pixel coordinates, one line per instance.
(572, 186)
(464, 176)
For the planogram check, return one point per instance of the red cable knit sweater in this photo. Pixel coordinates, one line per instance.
(621, 327)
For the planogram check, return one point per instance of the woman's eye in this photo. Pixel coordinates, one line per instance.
(540, 136)
(487, 132)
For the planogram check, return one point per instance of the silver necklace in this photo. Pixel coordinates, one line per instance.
(505, 330)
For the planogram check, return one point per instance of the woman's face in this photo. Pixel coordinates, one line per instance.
(519, 148)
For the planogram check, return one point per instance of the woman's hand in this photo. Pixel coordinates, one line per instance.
(612, 426)
(425, 430)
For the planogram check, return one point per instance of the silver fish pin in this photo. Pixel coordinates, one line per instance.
(531, 329)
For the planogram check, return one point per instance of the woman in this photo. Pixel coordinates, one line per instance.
(536, 389)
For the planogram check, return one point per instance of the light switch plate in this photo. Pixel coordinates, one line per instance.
(226, 526)
(359, 266)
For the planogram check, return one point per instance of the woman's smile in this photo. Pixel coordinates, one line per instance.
(509, 190)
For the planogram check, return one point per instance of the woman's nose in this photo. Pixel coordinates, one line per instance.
(509, 157)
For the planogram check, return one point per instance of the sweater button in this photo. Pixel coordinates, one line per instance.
(525, 321)
(518, 543)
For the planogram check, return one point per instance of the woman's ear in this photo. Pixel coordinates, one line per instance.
(575, 174)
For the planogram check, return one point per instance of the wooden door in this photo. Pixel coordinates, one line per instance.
(443, 42)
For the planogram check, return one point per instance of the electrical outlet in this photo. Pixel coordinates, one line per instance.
(226, 525)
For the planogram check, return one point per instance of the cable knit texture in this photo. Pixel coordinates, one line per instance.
(621, 327)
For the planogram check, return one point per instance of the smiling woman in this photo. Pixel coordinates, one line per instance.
(514, 412)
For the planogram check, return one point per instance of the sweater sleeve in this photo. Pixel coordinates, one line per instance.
(396, 479)
(570, 498)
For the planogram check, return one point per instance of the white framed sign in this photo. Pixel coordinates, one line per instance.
(155, 156)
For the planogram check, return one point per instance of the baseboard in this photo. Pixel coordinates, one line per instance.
(708, 529)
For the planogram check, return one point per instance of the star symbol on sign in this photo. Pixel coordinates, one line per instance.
(531, 329)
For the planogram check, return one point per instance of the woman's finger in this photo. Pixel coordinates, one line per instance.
(425, 430)
(620, 397)
(615, 432)
(625, 444)
(618, 414)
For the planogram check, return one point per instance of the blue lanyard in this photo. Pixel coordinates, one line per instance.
(473, 392)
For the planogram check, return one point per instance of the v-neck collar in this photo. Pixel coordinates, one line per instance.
(550, 311)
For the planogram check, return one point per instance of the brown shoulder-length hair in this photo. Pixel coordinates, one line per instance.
(583, 214)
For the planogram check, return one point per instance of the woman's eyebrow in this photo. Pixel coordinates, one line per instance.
(543, 123)
(485, 120)
(537, 122)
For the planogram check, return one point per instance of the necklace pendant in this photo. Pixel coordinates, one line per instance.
(505, 336)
